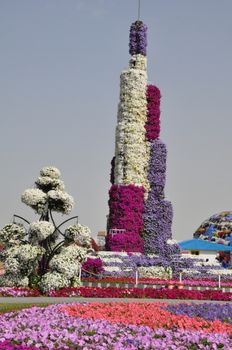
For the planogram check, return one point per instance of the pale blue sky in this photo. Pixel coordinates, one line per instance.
(60, 62)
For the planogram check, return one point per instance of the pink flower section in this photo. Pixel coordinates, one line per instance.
(126, 207)
(152, 125)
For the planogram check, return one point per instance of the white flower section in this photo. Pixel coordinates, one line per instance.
(112, 268)
(155, 272)
(12, 265)
(35, 198)
(10, 280)
(172, 241)
(80, 234)
(25, 253)
(75, 252)
(221, 272)
(138, 62)
(191, 271)
(46, 183)
(53, 280)
(112, 260)
(60, 201)
(68, 266)
(12, 234)
(131, 149)
(41, 230)
(51, 172)
(106, 254)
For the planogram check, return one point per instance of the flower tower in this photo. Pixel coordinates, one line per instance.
(140, 218)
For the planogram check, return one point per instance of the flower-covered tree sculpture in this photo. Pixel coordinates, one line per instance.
(42, 251)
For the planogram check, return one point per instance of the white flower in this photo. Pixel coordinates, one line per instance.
(47, 183)
(112, 260)
(138, 62)
(25, 253)
(68, 266)
(75, 252)
(131, 149)
(51, 172)
(41, 230)
(12, 234)
(12, 265)
(60, 201)
(171, 241)
(80, 234)
(11, 280)
(35, 198)
(53, 280)
(155, 272)
(220, 272)
(190, 271)
(108, 254)
(112, 268)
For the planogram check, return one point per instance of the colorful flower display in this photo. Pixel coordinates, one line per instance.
(140, 314)
(111, 326)
(140, 160)
(218, 229)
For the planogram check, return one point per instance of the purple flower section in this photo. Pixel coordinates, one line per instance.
(157, 225)
(152, 125)
(112, 170)
(158, 215)
(8, 345)
(157, 168)
(138, 38)
(126, 205)
(125, 242)
(210, 312)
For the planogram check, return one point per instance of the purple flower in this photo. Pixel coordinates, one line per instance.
(126, 205)
(138, 38)
(152, 125)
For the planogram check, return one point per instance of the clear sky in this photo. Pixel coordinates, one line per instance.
(60, 62)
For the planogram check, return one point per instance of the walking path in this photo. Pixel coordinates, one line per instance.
(63, 300)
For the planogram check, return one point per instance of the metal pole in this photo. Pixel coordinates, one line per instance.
(136, 278)
(138, 10)
(180, 277)
(219, 281)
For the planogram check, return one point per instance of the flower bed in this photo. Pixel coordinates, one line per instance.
(175, 292)
(18, 292)
(111, 326)
(162, 293)
(140, 314)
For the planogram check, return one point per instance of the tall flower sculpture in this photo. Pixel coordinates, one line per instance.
(42, 252)
(140, 219)
(129, 179)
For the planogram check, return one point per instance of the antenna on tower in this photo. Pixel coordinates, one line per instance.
(138, 10)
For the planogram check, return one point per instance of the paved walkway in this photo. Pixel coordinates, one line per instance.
(61, 300)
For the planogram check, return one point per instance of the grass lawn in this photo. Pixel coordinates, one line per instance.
(12, 307)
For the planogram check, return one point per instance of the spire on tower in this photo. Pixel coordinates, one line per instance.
(138, 38)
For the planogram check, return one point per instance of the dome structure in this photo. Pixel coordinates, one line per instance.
(218, 229)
